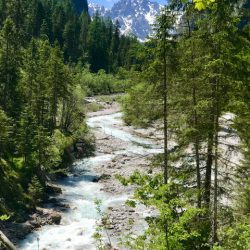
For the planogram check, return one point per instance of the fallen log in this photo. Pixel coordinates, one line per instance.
(6, 241)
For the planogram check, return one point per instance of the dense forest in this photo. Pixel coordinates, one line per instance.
(191, 76)
(50, 55)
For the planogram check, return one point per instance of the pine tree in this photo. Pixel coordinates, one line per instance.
(58, 24)
(9, 68)
(97, 44)
(3, 11)
(115, 44)
(26, 135)
(84, 22)
(57, 80)
(17, 12)
(5, 131)
(37, 18)
(71, 40)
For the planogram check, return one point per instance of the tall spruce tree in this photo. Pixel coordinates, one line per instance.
(9, 68)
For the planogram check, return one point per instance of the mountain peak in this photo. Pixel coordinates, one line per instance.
(135, 16)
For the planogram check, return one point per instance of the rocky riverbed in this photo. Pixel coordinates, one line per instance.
(119, 150)
(132, 151)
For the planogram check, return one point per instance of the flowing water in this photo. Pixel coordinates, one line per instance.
(80, 192)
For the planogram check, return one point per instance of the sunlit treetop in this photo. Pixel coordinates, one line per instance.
(202, 4)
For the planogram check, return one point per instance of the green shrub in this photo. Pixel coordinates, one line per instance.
(103, 84)
(141, 105)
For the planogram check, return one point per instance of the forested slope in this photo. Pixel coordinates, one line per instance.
(49, 54)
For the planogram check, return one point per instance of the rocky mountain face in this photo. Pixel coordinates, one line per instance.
(93, 8)
(135, 16)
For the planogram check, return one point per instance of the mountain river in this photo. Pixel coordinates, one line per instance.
(79, 222)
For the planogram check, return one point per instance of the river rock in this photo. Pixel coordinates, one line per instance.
(96, 179)
(110, 227)
(80, 152)
(53, 189)
(21, 230)
(80, 233)
(45, 216)
(26, 228)
(53, 201)
(108, 246)
(102, 177)
(61, 173)
(63, 205)
(55, 218)
(105, 177)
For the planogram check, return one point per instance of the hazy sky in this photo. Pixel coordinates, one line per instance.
(109, 3)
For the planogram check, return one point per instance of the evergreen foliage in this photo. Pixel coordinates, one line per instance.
(67, 23)
(46, 51)
(192, 77)
(198, 76)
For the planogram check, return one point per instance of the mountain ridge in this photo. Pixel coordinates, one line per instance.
(135, 16)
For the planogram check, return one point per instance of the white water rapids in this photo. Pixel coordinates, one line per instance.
(80, 192)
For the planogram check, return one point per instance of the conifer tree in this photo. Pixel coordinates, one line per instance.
(9, 68)
(97, 44)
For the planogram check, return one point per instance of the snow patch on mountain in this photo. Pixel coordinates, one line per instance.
(93, 8)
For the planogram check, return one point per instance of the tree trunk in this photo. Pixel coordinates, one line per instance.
(195, 117)
(6, 241)
(165, 114)
(196, 142)
(216, 144)
(197, 160)
(63, 115)
(165, 97)
(209, 163)
(6, 84)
